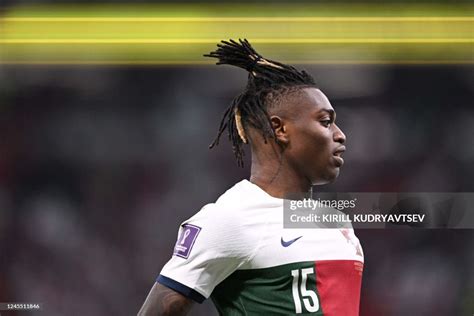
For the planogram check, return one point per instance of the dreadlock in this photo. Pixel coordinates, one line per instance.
(267, 80)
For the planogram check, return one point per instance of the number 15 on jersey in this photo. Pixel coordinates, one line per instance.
(301, 293)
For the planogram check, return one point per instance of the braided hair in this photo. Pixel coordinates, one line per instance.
(267, 81)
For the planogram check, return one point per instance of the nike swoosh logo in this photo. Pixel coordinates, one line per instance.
(289, 242)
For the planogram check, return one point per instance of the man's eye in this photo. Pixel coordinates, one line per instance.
(326, 123)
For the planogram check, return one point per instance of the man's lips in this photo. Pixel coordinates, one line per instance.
(337, 155)
(339, 151)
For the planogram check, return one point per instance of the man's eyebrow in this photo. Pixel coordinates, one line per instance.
(331, 112)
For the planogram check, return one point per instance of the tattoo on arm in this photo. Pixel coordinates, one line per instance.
(173, 303)
(163, 301)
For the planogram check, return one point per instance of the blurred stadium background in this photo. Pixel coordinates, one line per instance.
(104, 146)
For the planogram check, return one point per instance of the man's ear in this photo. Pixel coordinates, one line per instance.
(280, 129)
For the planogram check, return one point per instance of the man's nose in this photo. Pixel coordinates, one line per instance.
(339, 136)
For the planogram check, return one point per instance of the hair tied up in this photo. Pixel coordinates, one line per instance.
(249, 108)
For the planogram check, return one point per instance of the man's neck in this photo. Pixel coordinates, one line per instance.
(275, 178)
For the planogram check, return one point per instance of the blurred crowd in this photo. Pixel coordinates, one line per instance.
(99, 165)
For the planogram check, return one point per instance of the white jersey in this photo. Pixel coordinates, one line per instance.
(237, 250)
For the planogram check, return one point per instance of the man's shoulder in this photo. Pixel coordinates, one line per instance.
(214, 214)
(234, 199)
(234, 210)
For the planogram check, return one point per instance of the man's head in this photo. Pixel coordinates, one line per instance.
(282, 114)
(309, 140)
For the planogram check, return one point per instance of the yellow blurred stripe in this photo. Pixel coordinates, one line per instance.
(256, 41)
(227, 9)
(205, 63)
(180, 34)
(243, 19)
(200, 31)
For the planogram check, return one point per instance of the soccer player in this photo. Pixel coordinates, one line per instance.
(236, 250)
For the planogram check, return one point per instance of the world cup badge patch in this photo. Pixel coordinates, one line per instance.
(186, 240)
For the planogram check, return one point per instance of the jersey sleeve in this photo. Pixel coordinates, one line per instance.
(210, 246)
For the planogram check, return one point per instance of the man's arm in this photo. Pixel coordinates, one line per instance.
(162, 301)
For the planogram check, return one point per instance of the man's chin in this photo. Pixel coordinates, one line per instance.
(327, 178)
